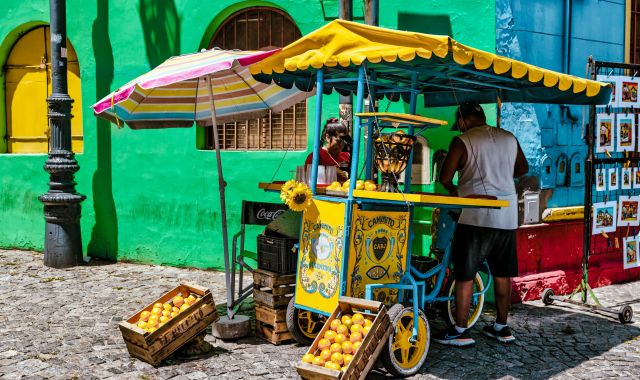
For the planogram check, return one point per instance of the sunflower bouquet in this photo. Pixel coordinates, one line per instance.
(296, 195)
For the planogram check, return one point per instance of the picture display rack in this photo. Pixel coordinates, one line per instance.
(617, 153)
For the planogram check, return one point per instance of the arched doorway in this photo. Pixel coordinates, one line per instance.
(28, 84)
(254, 29)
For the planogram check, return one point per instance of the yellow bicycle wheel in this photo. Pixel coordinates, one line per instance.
(303, 325)
(475, 309)
(403, 356)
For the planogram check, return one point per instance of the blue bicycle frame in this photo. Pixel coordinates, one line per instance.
(415, 281)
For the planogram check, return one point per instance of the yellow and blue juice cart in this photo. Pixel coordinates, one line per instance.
(358, 243)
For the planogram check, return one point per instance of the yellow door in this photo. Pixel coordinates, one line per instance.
(28, 84)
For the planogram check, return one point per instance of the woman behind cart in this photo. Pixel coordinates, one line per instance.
(335, 141)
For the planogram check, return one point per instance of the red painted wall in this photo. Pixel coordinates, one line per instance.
(550, 256)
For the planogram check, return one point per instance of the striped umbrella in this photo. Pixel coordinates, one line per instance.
(176, 93)
(206, 88)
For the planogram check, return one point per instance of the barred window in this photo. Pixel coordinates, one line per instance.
(253, 29)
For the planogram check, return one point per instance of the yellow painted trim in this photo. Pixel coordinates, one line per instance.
(430, 199)
(563, 213)
(405, 118)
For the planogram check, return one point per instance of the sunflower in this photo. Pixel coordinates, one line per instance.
(299, 198)
(286, 189)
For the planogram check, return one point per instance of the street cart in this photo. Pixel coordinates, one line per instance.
(357, 243)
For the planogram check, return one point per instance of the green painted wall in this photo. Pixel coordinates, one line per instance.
(151, 195)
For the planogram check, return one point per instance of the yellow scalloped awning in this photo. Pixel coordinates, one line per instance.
(343, 43)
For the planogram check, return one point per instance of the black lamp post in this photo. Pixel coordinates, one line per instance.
(63, 243)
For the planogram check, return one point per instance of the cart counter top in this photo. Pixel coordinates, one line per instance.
(421, 199)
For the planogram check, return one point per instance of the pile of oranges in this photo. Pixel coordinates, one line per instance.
(161, 313)
(340, 343)
(360, 185)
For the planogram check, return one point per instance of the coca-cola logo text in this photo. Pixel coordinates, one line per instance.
(270, 215)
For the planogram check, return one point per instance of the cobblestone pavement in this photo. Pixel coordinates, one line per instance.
(63, 324)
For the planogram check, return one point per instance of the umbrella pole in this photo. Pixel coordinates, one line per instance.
(223, 207)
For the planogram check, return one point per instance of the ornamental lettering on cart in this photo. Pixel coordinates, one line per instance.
(321, 251)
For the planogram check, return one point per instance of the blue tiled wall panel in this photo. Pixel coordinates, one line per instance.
(533, 31)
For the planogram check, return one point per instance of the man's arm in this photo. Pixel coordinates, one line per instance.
(455, 159)
(522, 166)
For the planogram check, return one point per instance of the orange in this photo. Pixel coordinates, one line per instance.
(175, 314)
(166, 313)
(163, 319)
(176, 309)
(336, 347)
(342, 329)
(370, 186)
(184, 307)
(340, 338)
(324, 343)
(158, 305)
(336, 357)
(368, 322)
(356, 345)
(191, 299)
(356, 328)
(157, 311)
(144, 316)
(365, 330)
(308, 358)
(318, 361)
(347, 359)
(335, 324)
(151, 329)
(347, 347)
(142, 325)
(177, 301)
(355, 337)
(167, 306)
(346, 320)
(330, 335)
(325, 354)
(358, 319)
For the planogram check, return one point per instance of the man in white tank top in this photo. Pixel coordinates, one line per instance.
(487, 160)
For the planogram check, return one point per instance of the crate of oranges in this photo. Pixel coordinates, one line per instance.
(162, 327)
(349, 342)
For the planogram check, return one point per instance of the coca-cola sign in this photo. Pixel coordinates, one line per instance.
(269, 214)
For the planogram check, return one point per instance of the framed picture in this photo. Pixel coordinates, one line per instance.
(636, 178)
(604, 217)
(604, 133)
(601, 180)
(626, 179)
(627, 92)
(628, 211)
(613, 179)
(626, 132)
(630, 252)
(613, 81)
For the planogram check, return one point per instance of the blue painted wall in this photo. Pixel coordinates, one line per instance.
(534, 31)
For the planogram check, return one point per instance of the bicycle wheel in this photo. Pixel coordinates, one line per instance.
(303, 325)
(400, 356)
(475, 309)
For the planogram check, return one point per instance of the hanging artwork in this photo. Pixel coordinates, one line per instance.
(601, 180)
(628, 211)
(626, 132)
(604, 133)
(613, 81)
(630, 252)
(613, 179)
(636, 178)
(627, 92)
(604, 217)
(626, 179)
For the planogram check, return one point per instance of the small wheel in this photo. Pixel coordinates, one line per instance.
(625, 315)
(547, 296)
(303, 325)
(475, 309)
(400, 356)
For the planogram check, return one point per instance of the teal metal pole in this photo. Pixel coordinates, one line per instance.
(411, 131)
(317, 131)
(368, 165)
(356, 132)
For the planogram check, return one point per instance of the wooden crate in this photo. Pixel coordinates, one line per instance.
(154, 347)
(368, 352)
(272, 293)
(273, 290)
